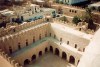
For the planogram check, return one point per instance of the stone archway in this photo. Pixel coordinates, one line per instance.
(46, 34)
(75, 45)
(10, 50)
(40, 37)
(40, 53)
(33, 57)
(51, 49)
(46, 49)
(78, 62)
(26, 62)
(26, 42)
(64, 55)
(19, 46)
(72, 60)
(57, 51)
(60, 39)
(34, 39)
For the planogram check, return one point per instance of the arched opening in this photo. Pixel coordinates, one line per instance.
(26, 42)
(51, 49)
(83, 49)
(40, 53)
(22, 18)
(33, 39)
(67, 42)
(78, 62)
(48, 19)
(10, 50)
(69, 10)
(46, 34)
(56, 51)
(60, 39)
(75, 45)
(19, 47)
(26, 62)
(80, 29)
(93, 8)
(64, 56)
(33, 57)
(14, 30)
(50, 34)
(54, 36)
(40, 37)
(72, 10)
(46, 49)
(72, 60)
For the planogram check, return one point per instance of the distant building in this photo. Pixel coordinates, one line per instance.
(95, 6)
(71, 2)
(33, 12)
(30, 12)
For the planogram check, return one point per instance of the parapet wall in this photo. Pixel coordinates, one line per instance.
(10, 43)
(14, 29)
(12, 62)
(72, 11)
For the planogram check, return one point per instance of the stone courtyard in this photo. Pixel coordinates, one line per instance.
(50, 60)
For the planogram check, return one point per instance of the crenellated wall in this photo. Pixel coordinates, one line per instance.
(75, 38)
(14, 29)
(30, 40)
(72, 11)
(20, 38)
(7, 61)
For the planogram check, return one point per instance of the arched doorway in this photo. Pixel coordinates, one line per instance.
(33, 39)
(83, 49)
(40, 37)
(51, 49)
(72, 60)
(78, 62)
(19, 46)
(64, 56)
(33, 57)
(67, 42)
(50, 34)
(26, 42)
(60, 39)
(10, 50)
(56, 51)
(54, 36)
(46, 34)
(22, 18)
(46, 49)
(26, 62)
(40, 53)
(75, 45)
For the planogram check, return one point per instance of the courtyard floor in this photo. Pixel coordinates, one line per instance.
(50, 60)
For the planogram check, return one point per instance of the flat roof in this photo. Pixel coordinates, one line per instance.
(7, 12)
(39, 0)
(71, 30)
(47, 9)
(95, 4)
(21, 31)
(34, 5)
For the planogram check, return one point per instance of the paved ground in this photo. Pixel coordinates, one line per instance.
(50, 60)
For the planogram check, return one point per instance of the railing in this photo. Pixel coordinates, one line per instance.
(9, 59)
